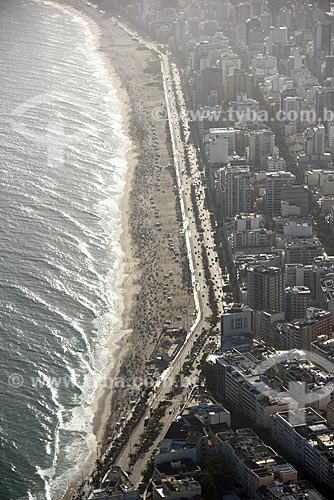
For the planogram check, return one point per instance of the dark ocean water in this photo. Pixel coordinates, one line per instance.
(62, 173)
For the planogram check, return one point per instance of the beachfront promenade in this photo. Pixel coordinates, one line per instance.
(195, 243)
(202, 258)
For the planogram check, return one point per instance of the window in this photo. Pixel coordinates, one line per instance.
(239, 323)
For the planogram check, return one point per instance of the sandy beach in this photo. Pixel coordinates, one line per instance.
(155, 281)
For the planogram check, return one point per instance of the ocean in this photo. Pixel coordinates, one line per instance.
(62, 174)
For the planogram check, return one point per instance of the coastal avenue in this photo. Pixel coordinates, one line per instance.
(171, 79)
(174, 97)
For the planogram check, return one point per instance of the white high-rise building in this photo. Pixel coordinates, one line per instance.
(221, 145)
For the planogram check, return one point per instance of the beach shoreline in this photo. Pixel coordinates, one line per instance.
(151, 219)
(117, 344)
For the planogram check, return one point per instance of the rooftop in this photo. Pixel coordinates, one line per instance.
(176, 468)
(298, 490)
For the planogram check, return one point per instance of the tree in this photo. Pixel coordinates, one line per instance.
(207, 482)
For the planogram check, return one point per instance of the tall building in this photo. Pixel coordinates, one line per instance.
(241, 12)
(244, 110)
(237, 325)
(322, 36)
(330, 413)
(266, 22)
(330, 126)
(291, 107)
(296, 302)
(297, 195)
(308, 440)
(275, 181)
(221, 145)
(179, 31)
(265, 289)
(260, 144)
(206, 81)
(314, 140)
(302, 251)
(324, 5)
(229, 62)
(278, 35)
(252, 24)
(294, 275)
(324, 101)
(301, 333)
(291, 104)
(329, 67)
(234, 377)
(238, 82)
(263, 322)
(253, 464)
(275, 163)
(201, 56)
(235, 185)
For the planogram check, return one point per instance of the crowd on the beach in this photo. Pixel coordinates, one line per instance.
(152, 251)
(159, 260)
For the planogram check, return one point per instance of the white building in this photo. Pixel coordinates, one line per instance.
(221, 145)
(276, 164)
(237, 320)
(294, 229)
(308, 441)
(244, 110)
(115, 485)
(302, 251)
(175, 489)
(238, 382)
(264, 65)
(288, 210)
(210, 414)
(254, 464)
(278, 35)
(248, 222)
